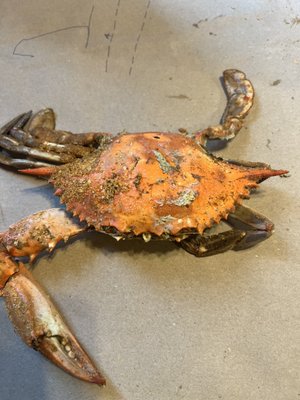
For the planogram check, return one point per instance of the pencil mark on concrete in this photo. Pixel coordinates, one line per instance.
(108, 36)
(138, 38)
(179, 97)
(111, 35)
(1, 214)
(276, 83)
(295, 21)
(196, 24)
(87, 27)
(218, 16)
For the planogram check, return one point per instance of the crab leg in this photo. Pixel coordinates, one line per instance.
(256, 226)
(240, 95)
(205, 246)
(38, 232)
(30, 309)
(249, 228)
(34, 138)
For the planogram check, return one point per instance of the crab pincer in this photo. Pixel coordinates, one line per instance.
(40, 325)
(33, 314)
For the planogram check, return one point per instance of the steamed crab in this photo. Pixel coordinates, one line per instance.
(152, 185)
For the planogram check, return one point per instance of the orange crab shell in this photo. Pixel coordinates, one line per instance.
(159, 183)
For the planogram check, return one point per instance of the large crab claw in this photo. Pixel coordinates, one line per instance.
(39, 323)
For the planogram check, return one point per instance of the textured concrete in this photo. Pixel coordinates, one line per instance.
(160, 323)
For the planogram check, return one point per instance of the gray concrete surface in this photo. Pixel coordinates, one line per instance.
(160, 323)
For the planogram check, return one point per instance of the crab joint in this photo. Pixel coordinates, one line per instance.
(38, 232)
(41, 327)
(7, 269)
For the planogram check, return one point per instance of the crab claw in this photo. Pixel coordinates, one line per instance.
(40, 325)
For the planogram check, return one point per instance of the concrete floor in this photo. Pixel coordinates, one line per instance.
(160, 323)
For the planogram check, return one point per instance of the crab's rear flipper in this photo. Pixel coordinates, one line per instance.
(240, 95)
(33, 314)
(31, 141)
(249, 229)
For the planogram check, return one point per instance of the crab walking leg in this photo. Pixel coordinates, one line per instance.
(249, 228)
(256, 226)
(33, 137)
(240, 95)
(18, 122)
(41, 127)
(21, 163)
(205, 246)
(43, 119)
(30, 309)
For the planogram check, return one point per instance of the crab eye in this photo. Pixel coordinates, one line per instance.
(156, 137)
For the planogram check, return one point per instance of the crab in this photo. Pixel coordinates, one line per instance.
(149, 185)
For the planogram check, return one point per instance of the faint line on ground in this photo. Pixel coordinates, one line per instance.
(87, 27)
(138, 38)
(111, 36)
